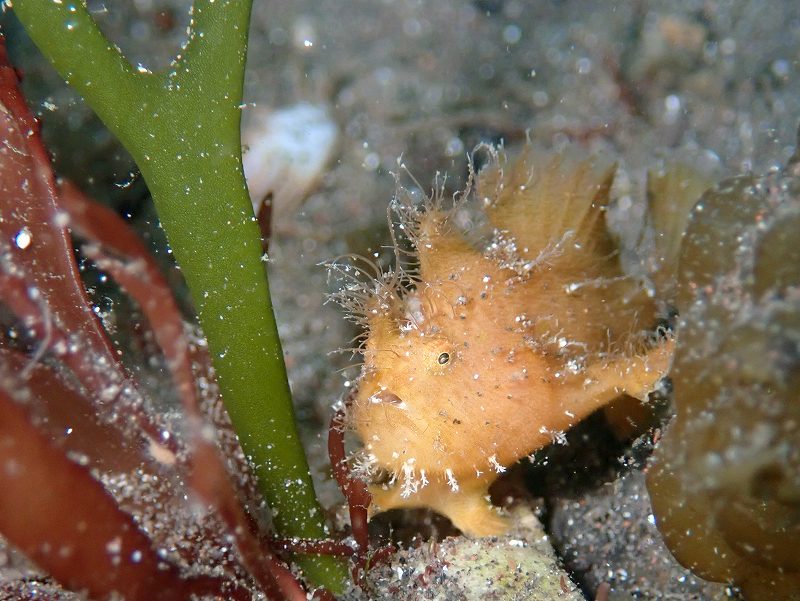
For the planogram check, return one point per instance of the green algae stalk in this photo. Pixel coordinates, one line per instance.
(182, 126)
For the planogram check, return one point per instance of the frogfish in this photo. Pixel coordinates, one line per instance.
(477, 353)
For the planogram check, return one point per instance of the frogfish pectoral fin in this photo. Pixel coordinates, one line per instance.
(636, 376)
(641, 374)
(468, 508)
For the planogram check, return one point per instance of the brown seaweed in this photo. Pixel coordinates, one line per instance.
(725, 484)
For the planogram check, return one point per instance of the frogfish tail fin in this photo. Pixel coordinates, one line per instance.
(671, 194)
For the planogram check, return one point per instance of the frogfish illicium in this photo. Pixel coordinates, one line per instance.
(478, 353)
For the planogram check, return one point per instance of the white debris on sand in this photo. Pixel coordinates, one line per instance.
(520, 565)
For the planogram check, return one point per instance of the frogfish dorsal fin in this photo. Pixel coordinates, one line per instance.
(442, 251)
(555, 203)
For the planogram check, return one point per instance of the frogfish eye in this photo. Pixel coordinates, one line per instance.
(444, 358)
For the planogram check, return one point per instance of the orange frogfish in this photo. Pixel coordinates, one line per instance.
(479, 353)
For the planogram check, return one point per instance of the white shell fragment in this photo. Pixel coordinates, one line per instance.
(285, 153)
